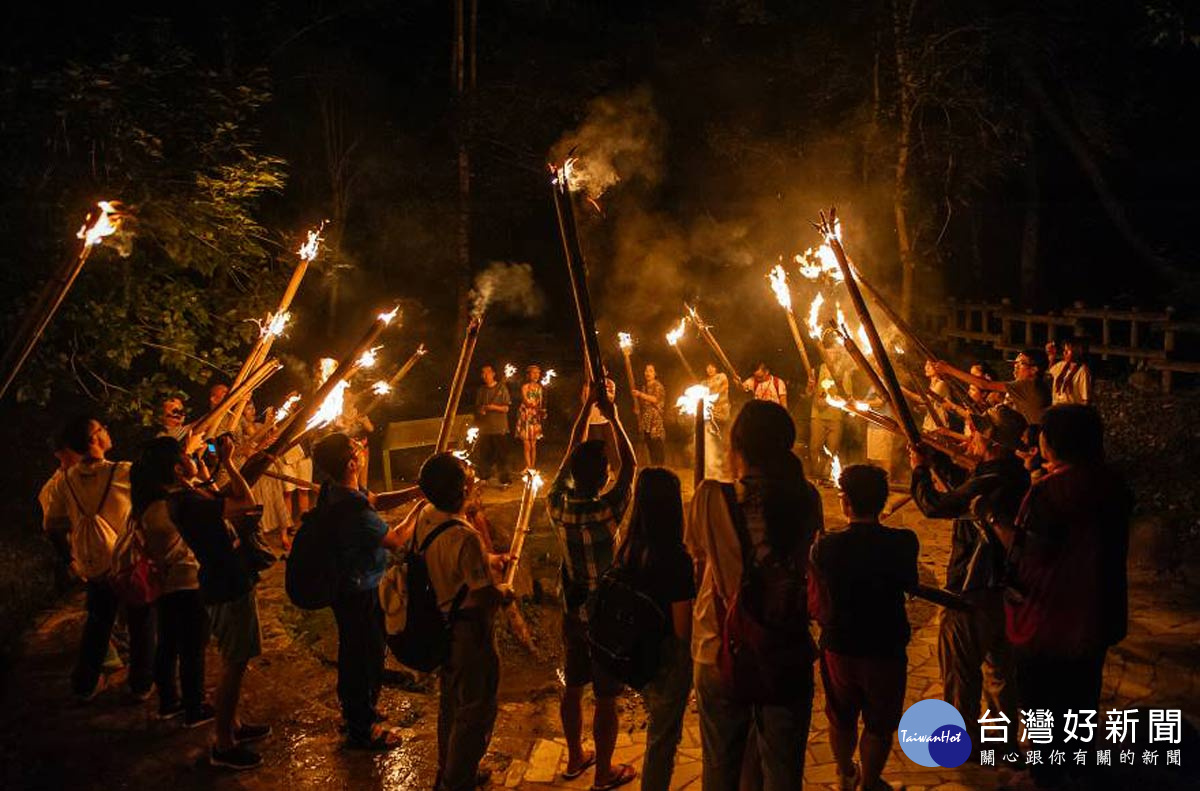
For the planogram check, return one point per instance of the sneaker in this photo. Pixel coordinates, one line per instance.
(201, 716)
(170, 711)
(246, 733)
(237, 758)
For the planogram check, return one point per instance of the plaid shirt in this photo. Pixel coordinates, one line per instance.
(585, 527)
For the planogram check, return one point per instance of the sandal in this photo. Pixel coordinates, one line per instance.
(624, 774)
(381, 740)
(589, 760)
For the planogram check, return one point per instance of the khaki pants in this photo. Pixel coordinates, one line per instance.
(976, 659)
(467, 700)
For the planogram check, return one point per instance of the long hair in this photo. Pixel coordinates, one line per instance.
(153, 473)
(763, 434)
(656, 521)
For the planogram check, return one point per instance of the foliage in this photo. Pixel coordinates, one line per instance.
(177, 143)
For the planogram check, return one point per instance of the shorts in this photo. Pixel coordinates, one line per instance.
(580, 670)
(872, 686)
(236, 629)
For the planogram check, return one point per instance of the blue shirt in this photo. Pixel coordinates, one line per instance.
(362, 558)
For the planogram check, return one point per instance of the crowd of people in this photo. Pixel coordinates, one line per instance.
(1039, 527)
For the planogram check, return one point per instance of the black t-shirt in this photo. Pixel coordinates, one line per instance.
(861, 575)
(200, 519)
(671, 579)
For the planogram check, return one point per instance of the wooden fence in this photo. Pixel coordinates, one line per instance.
(1148, 339)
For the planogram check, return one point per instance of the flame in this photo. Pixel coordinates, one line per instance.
(693, 396)
(625, 340)
(674, 335)
(331, 408)
(835, 467)
(533, 479)
(779, 284)
(832, 400)
(386, 318)
(308, 251)
(510, 370)
(369, 357)
(472, 435)
(421, 350)
(898, 349)
(864, 342)
(841, 317)
(817, 261)
(814, 316)
(286, 409)
(548, 377)
(106, 224)
(381, 387)
(325, 368)
(562, 175)
(274, 325)
(862, 406)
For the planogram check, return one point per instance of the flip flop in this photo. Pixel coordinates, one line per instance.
(589, 760)
(625, 774)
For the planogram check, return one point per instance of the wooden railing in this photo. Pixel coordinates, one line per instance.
(1143, 338)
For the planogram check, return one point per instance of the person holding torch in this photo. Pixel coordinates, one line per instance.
(650, 419)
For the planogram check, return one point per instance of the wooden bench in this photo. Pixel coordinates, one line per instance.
(410, 435)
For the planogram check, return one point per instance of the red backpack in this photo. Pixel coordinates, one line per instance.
(766, 651)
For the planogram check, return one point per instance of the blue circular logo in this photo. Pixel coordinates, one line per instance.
(933, 733)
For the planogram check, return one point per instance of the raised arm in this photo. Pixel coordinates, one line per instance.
(577, 433)
(624, 446)
(239, 498)
(946, 369)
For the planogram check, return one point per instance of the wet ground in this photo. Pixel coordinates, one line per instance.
(48, 741)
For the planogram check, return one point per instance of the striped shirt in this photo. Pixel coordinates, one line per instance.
(585, 527)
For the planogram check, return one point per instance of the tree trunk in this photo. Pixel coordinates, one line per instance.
(1030, 291)
(903, 150)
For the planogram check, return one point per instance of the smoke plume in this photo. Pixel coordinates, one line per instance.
(509, 285)
(621, 139)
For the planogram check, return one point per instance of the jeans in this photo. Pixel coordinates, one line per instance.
(492, 454)
(780, 735)
(102, 605)
(467, 705)
(182, 638)
(656, 447)
(976, 659)
(361, 653)
(666, 699)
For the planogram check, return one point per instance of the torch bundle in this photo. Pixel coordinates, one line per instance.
(705, 331)
(673, 338)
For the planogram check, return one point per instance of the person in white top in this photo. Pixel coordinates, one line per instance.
(766, 386)
(48, 496)
(92, 504)
(1070, 377)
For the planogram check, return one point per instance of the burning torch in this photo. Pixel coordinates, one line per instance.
(779, 284)
(673, 341)
(625, 341)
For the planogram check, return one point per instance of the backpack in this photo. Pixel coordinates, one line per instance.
(92, 537)
(312, 576)
(625, 628)
(423, 643)
(136, 578)
(766, 651)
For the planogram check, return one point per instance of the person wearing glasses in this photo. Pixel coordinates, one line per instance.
(171, 418)
(1027, 392)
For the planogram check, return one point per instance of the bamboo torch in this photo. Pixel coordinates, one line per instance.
(779, 284)
(697, 401)
(711, 340)
(384, 387)
(893, 390)
(861, 360)
(625, 340)
(577, 269)
(673, 341)
(299, 422)
(205, 425)
(458, 382)
(35, 321)
(533, 482)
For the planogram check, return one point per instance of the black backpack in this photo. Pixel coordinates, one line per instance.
(424, 643)
(312, 577)
(625, 628)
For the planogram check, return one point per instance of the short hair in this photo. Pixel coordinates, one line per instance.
(589, 465)
(762, 433)
(1037, 357)
(762, 367)
(442, 480)
(153, 472)
(865, 488)
(1075, 433)
(333, 453)
(77, 433)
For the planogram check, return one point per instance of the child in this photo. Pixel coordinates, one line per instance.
(859, 579)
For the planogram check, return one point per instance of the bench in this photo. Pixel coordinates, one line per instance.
(412, 435)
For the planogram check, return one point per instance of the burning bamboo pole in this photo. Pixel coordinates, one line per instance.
(697, 401)
(861, 360)
(533, 482)
(711, 340)
(51, 297)
(389, 385)
(779, 284)
(207, 424)
(903, 413)
(299, 483)
(673, 341)
(577, 269)
(625, 341)
(458, 382)
(294, 427)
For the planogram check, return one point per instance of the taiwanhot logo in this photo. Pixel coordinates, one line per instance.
(933, 733)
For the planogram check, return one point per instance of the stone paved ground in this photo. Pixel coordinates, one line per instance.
(46, 741)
